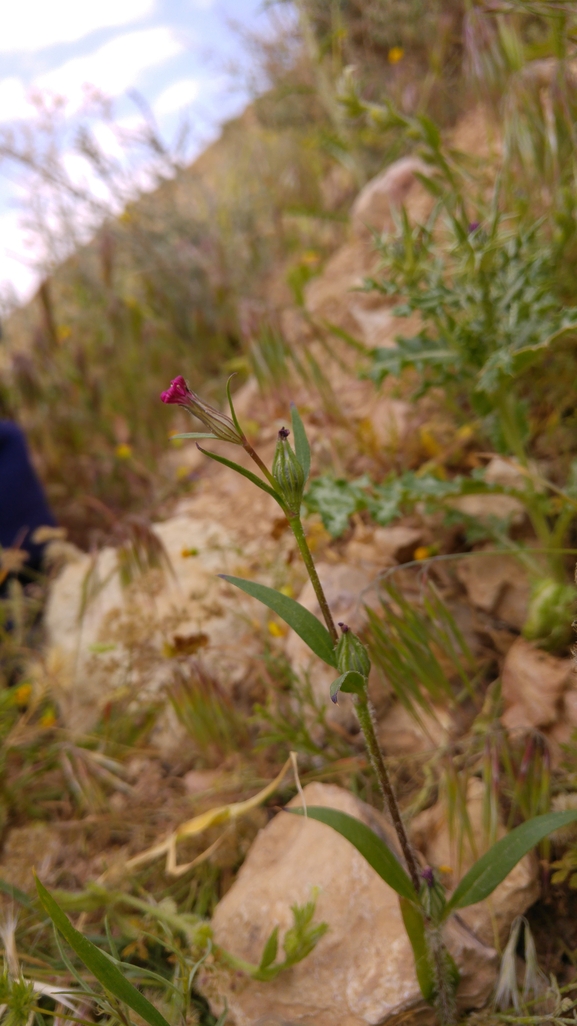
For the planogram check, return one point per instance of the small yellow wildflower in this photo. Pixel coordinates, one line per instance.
(286, 590)
(182, 473)
(396, 54)
(123, 451)
(422, 552)
(187, 553)
(48, 719)
(22, 694)
(275, 629)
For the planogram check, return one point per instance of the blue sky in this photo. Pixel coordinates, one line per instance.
(174, 53)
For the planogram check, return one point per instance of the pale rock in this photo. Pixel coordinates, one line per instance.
(384, 195)
(518, 891)
(489, 507)
(361, 973)
(198, 781)
(533, 683)
(118, 638)
(385, 547)
(497, 584)
(400, 733)
(35, 847)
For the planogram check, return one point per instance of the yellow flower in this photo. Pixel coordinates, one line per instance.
(275, 629)
(22, 694)
(396, 54)
(182, 472)
(422, 552)
(48, 719)
(123, 451)
(286, 590)
(187, 553)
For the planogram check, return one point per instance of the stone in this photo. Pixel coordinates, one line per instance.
(127, 638)
(400, 734)
(384, 195)
(489, 507)
(36, 846)
(497, 584)
(384, 546)
(533, 683)
(361, 973)
(489, 920)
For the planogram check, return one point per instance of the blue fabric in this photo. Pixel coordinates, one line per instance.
(23, 505)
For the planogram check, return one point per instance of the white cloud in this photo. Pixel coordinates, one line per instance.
(35, 24)
(178, 95)
(115, 66)
(13, 100)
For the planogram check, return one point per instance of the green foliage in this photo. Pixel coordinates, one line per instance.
(102, 966)
(299, 940)
(208, 714)
(311, 630)
(414, 648)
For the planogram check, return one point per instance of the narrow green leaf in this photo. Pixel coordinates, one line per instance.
(98, 963)
(370, 846)
(312, 631)
(488, 871)
(270, 950)
(232, 409)
(351, 682)
(245, 473)
(302, 447)
(415, 927)
(193, 434)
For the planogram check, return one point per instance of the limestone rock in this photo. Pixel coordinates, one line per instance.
(520, 889)
(361, 973)
(497, 584)
(388, 192)
(489, 507)
(533, 683)
(123, 638)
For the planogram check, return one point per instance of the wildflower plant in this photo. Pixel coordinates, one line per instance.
(425, 907)
(424, 904)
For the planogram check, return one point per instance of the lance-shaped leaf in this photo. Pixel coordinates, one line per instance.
(302, 447)
(303, 623)
(488, 871)
(371, 847)
(351, 682)
(99, 964)
(245, 473)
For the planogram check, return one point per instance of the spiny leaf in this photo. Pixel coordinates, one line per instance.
(488, 871)
(302, 447)
(370, 846)
(99, 964)
(303, 623)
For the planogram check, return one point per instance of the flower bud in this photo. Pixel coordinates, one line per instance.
(351, 653)
(222, 426)
(287, 472)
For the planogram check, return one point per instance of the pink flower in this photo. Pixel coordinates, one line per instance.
(178, 392)
(217, 423)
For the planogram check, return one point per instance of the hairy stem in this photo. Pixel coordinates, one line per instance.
(261, 466)
(367, 724)
(297, 529)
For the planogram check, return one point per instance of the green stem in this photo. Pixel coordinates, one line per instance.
(367, 724)
(297, 530)
(261, 466)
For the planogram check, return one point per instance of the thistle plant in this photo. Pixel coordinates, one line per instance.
(424, 904)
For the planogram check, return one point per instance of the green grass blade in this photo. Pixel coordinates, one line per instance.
(232, 409)
(368, 844)
(488, 872)
(98, 963)
(245, 473)
(312, 631)
(194, 434)
(16, 894)
(302, 447)
(415, 927)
